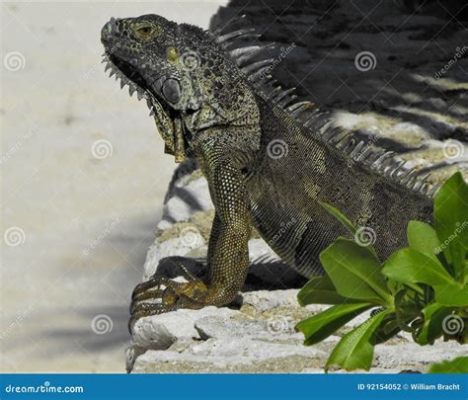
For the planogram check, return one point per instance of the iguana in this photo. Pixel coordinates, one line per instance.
(270, 162)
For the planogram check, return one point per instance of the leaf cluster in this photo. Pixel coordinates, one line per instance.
(421, 289)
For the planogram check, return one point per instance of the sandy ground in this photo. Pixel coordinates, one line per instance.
(83, 178)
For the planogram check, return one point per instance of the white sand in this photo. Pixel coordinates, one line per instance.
(87, 222)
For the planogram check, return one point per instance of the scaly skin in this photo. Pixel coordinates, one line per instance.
(205, 108)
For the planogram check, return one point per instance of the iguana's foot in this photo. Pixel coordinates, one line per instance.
(161, 295)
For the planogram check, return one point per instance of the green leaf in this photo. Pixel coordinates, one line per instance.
(451, 221)
(457, 366)
(322, 325)
(408, 305)
(339, 216)
(423, 238)
(434, 315)
(387, 329)
(452, 295)
(356, 349)
(320, 290)
(355, 272)
(411, 266)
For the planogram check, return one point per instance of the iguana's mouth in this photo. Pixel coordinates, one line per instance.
(136, 83)
(132, 75)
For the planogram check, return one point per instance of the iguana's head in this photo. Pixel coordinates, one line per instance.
(180, 69)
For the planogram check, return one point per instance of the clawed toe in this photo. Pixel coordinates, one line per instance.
(151, 284)
(142, 310)
(161, 295)
(156, 289)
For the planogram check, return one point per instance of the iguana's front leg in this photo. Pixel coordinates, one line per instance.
(228, 257)
(228, 254)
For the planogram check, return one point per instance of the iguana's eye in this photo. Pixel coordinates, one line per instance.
(144, 32)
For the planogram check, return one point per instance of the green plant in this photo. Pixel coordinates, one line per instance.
(421, 289)
(458, 365)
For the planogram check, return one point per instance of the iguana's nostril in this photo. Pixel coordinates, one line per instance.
(115, 27)
(110, 28)
(106, 32)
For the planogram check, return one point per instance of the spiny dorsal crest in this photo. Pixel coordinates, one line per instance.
(257, 61)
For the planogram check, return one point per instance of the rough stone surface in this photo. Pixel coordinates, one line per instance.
(258, 337)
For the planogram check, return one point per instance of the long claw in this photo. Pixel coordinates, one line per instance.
(142, 287)
(160, 295)
(150, 284)
(146, 310)
(136, 303)
(147, 295)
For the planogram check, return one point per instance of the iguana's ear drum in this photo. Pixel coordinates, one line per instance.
(171, 90)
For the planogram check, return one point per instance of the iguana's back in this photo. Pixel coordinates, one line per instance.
(295, 171)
